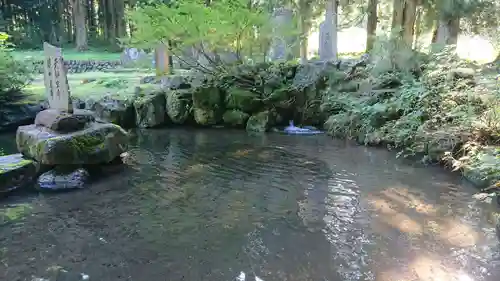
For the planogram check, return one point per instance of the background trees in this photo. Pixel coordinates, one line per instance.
(99, 23)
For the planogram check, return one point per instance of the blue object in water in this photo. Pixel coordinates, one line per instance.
(291, 129)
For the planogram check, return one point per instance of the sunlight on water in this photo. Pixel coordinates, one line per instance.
(193, 206)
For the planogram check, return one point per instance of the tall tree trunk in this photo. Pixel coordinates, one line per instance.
(111, 20)
(120, 18)
(371, 26)
(304, 31)
(332, 7)
(102, 20)
(418, 27)
(403, 20)
(91, 21)
(80, 19)
(447, 31)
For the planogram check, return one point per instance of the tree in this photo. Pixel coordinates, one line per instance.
(371, 26)
(80, 19)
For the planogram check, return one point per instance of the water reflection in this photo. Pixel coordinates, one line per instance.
(208, 205)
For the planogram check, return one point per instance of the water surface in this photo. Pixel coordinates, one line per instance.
(208, 204)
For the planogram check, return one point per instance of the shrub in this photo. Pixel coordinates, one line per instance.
(14, 75)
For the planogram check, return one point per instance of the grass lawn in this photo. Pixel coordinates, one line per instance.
(93, 84)
(69, 54)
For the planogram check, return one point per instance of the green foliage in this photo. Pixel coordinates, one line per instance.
(431, 112)
(224, 26)
(14, 75)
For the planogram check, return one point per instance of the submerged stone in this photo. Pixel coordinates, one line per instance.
(178, 105)
(98, 143)
(150, 110)
(15, 172)
(56, 180)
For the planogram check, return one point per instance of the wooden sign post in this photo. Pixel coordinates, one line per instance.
(56, 81)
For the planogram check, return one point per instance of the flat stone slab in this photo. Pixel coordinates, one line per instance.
(61, 121)
(15, 172)
(97, 143)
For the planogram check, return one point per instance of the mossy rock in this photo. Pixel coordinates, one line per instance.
(207, 97)
(98, 143)
(205, 117)
(150, 110)
(259, 122)
(116, 110)
(15, 172)
(178, 103)
(483, 170)
(235, 118)
(242, 99)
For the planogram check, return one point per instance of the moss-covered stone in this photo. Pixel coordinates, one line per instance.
(15, 172)
(483, 168)
(205, 117)
(117, 110)
(99, 143)
(259, 122)
(235, 118)
(207, 105)
(207, 97)
(242, 99)
(150, 110)
(178, 103)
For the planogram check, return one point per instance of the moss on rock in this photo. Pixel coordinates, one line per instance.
(150, 110)
(259, 122)
(235, 118)
(99, 143)
(242, 99)
(205, 117)
(178, 103)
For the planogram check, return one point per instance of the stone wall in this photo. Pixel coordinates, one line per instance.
(79, 66)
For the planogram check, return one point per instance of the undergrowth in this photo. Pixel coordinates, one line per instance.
(435, 106)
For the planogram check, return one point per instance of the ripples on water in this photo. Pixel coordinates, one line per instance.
(209, 204)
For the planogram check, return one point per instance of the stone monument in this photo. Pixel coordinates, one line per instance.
(65, 138)
(56, 81)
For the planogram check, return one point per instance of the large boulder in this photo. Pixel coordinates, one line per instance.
(19, 114)
(208, 105)
(235, 118)
(119, 111)
(205, 117)
(245, 100)
(15, 172)
(259, 123)
(150, 110)
(178, 103)
(98, 143)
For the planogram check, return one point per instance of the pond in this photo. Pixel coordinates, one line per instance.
(210, 204)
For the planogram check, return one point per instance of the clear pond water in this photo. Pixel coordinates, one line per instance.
(209, 204)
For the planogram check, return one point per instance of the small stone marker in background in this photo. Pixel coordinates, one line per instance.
(161, 60)
(56, 81)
